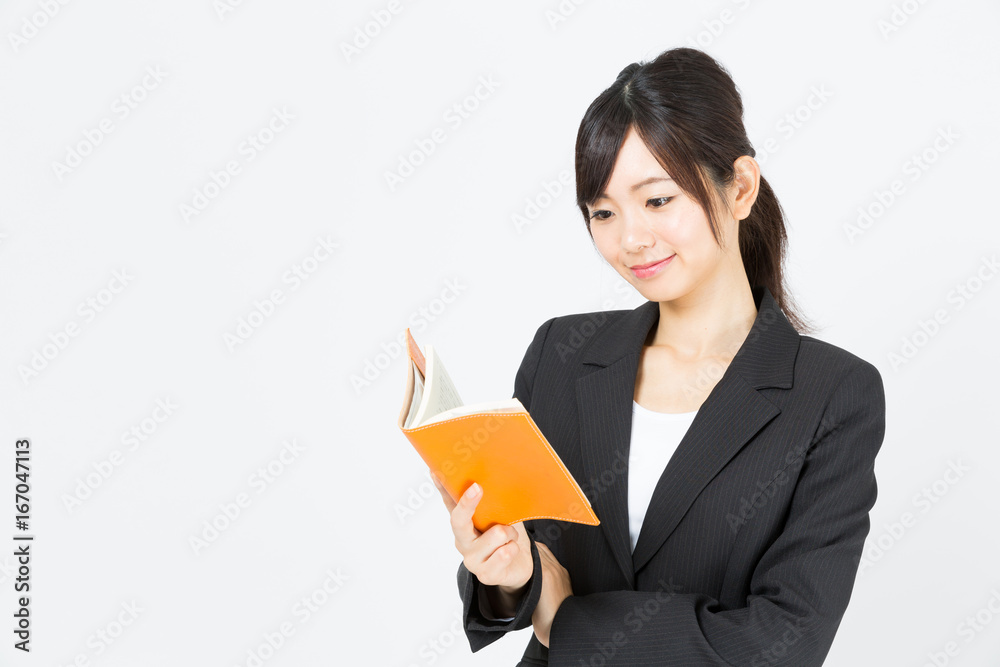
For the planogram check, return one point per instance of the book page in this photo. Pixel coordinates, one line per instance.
(439, 392)
(418, 393)
(508, 405)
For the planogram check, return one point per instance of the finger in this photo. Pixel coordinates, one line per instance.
(499, 541)
(519, 529)
(493, 538)
(445, 496)
(545, 554)
(546, 557)
(461, 517)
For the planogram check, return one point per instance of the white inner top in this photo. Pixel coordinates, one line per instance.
(655, 436)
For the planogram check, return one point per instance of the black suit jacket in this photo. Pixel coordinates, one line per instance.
(750, 546)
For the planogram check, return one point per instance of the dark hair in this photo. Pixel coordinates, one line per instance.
(687, 110)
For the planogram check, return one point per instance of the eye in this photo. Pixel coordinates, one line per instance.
(664, 200)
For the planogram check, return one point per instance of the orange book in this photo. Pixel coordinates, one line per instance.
(496, 444)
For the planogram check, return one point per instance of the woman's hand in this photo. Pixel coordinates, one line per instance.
(556, 587)
(500, 556)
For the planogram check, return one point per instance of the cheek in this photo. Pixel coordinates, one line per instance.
(687, 231)
(606, 244)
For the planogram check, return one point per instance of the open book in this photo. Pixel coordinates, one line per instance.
(495, 443)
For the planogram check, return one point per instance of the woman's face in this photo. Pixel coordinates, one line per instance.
(646, 218)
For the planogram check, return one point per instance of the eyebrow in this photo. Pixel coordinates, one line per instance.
(647, 181)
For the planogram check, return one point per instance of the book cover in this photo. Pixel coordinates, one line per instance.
(496, 444)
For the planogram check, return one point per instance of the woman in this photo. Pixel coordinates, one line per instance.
(729, 456)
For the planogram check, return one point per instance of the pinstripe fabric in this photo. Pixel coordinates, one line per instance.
(749, 549)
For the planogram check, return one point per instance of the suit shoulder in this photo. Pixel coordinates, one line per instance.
(564, 322)
(572, 331)
(831, 361)
(577, 325)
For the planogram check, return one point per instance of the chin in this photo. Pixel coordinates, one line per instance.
(653, 292)
(667, 290)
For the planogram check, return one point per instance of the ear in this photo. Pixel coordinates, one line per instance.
(745, 187)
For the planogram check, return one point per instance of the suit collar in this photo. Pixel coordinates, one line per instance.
(765, 359)
(604, 402)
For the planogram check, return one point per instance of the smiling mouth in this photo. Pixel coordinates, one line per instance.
(638, 267)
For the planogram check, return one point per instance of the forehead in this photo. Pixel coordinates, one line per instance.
(635, 162)
(635, 168)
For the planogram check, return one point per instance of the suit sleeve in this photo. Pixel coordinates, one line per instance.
(487, 611)
(480, 629)
(799, 588)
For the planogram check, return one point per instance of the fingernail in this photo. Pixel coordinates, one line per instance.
(473, 490)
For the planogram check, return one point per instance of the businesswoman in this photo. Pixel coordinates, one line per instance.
(728, 455)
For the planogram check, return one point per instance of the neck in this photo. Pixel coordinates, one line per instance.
(712, 320)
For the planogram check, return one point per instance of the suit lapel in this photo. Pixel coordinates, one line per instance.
(604, 398)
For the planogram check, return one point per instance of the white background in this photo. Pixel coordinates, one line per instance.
(335, 504)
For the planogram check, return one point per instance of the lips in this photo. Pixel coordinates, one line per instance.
(648, 271)
(646, 266)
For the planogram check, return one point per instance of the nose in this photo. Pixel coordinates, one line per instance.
(636, 235)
